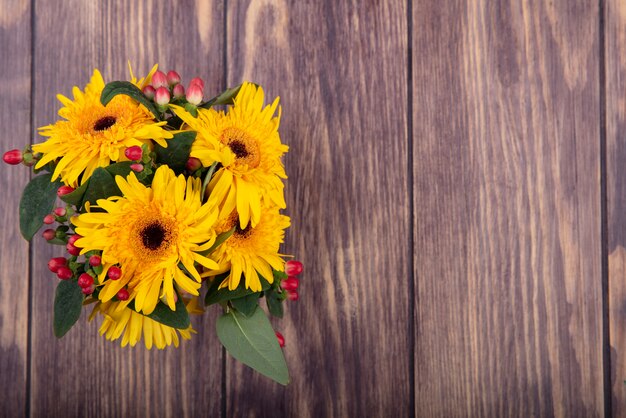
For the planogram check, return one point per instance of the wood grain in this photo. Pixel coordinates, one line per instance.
(615, 41)
(340, 69)
(507, 208)
(83, 374)
(14, 263)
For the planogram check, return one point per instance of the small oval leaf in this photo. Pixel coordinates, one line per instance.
(177, 152)
(68, 303)
(162, 313)
(37, 201)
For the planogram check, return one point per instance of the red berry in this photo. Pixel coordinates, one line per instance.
(115, 273)
(293, 268)
(48, 219)
(63, 190)
(194, 94)
(64, 273)
(162, 96)
(159, 79)
(55, 263)
(73, 238)
(149, 92)
(73, 250)
(292, 295)
(95, 260)
(12, 157)
(178, 91)
(133, 153)
(123, 294)
(281, 339)
(60, 212)
(49, 234)
(85, 280)
(138, 168)
(88, 290)
(193, 164)
(173, 78)
(291, 283)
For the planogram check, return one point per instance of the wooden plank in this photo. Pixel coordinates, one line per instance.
(83, 374)
(508, 208)
(615, 64)
(340, 69)
(15, 43)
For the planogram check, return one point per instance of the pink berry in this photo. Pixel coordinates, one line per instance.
(149, 92)
(123, 294)
(138, 168)
(292, 295)
(293, 267)
(159, 79)
(162, 96)
(281, 339)
(194, 94)
(63, 190)
(115, 273)
(134, 153)
(60, 212)
(198, 81)
(95, 260)
(178, 91)
(49, 234)
(173, 78)
(85, 280)
(64, 273)
(49, 219)
(12, 157)
(56, 262)
(290, 283)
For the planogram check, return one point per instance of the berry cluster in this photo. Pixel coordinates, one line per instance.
(167, 87)
(290, 285)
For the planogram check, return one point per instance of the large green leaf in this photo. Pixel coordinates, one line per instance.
(37, 201)
(68, 303)
(225, 98)
(127, 88)
(177, 152)
(252, 341)
(162, 313)
(215, 295)
(101, 185)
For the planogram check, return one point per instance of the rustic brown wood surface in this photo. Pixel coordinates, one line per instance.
(456, 191)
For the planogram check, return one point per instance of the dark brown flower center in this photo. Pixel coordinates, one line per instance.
(104, 123)
(243, 233)
(238, 148)
(153, 236)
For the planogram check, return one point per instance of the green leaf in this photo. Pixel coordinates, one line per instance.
(219, 241)
(274, 303)
(162, 313)
(37, 201)
(252, 341)
(177, 152)
(68, 302)
(207, 177)
(76, 197)
(127, 88)
(226, 98)
(247, 304)
(120, 169)
(101, 186)
(224, 294)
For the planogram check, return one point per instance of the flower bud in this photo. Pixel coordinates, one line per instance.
(95, 260)
(85, 280)
(290, 283)
(123, 294)
(64, 273)
(193, 164)
(49, 234)
(138, 168)
(48, 219)
(198, 81)
(133, 153)
(56, 262)
(60, 212)
(114, 273)
(63, 190)
(292, 295)
(149, 92)
(162, 96)
(281, 339)
(293, 268)
(178, 91)
(173, 78)
(12, 157)
(72, 249)
(159, 80)
(194, 94)
(88, 290)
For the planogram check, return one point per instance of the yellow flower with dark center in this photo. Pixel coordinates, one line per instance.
(92, 135)
(251, 251)
(122, 322)
(246, 143)
(155, 234)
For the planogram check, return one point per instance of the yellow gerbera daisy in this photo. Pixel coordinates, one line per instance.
(93, 135)
(121, 321)
(149, 232)
(246, 143)
(251, 251)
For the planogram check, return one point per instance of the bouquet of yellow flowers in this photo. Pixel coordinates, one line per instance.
(171, 204)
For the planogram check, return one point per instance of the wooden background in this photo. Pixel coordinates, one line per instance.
(457, 188)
